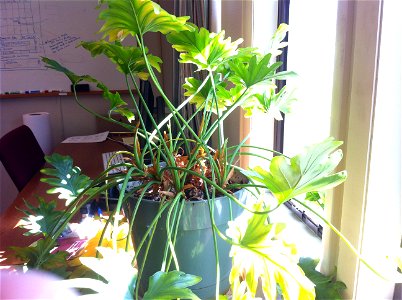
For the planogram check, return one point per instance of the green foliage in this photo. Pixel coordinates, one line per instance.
(116, 103)
(66, 180)
(254, 72)
(204, 98)
(128, 59)
(259, 253)
(137, 17)
(171, 285)
(326, 287)
(202, 48)
(277, 39)
(38, 256)
(306, 172)
(316, 197)
(43, 219)
(74, 78)
(270, 102)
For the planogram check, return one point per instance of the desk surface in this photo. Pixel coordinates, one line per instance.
(87, 156)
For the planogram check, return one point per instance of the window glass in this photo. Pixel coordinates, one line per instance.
(265, 14)
(311, 54)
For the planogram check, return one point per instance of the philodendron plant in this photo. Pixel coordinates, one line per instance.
(183, 167)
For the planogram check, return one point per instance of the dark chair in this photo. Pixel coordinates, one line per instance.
(21, 155)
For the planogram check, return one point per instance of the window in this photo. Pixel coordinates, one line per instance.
(311, 55)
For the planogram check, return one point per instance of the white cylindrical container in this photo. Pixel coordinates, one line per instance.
(39, 123)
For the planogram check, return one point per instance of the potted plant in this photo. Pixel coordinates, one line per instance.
(187, 182)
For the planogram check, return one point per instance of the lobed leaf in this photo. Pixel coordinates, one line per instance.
(136, 17)
(42, 218)
(128, 59)
(307, 172)
(204, 98)
(202, 48)
(269, 102)
(260, 254)
(68, 180)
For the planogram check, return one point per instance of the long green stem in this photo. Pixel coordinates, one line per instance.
(142, 123)
(221, 135)
(169, 234)
(118, 208)
(144, 189)
(343, 238)
(221, 118)
(176, 230)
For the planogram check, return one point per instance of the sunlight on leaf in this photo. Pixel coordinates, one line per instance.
(66, 179)
(307, 172)
(270, 103)
(204, 98)
(43, 218)
(261, 254)
(133, 17)
(202, 48)
(116, 269)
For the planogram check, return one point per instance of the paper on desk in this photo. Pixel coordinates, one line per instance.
(94, 138)
(128, 140)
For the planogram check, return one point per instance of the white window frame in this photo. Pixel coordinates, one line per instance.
(371, 224)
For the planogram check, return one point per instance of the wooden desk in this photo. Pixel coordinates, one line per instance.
(87, 156)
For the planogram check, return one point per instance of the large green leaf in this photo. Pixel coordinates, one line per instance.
(259, 254)
(42, 218)
(171, 285)
(204, 49)
(326, 287)
(127, 59)
(35, 257)
(306, 172)
(66, 179)
(256, 70)
(136, 17)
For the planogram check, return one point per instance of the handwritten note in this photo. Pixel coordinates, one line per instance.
(61, 42)
(94, 138)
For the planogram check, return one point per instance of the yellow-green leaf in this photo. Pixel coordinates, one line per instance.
(306, 172)
(136, 17)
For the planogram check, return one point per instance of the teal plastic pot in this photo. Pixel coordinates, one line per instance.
(194, 244)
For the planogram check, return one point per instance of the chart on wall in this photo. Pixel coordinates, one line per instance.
(31, 29)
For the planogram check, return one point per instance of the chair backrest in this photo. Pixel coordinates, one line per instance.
(21, 155)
